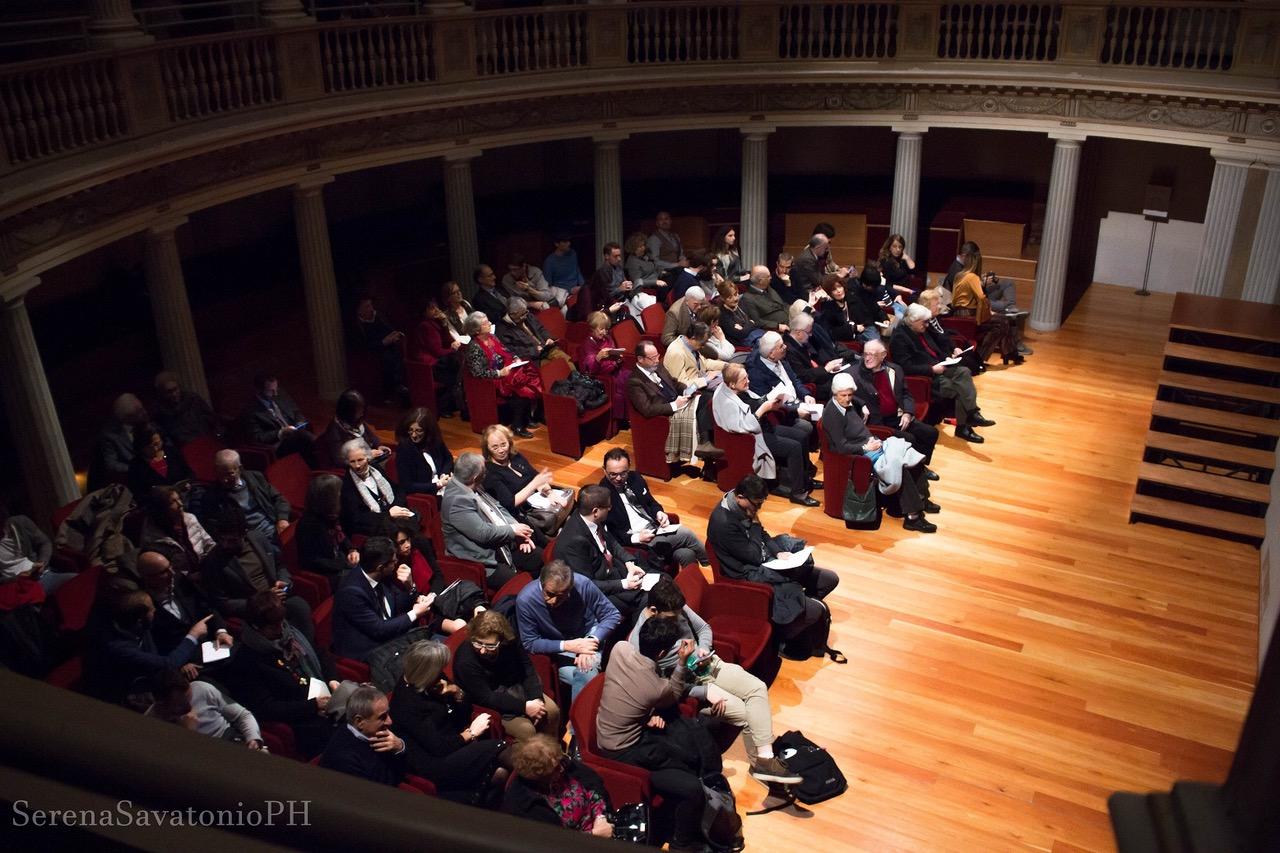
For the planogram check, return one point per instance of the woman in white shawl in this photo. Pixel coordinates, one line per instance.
(370, 502)
(738, 410)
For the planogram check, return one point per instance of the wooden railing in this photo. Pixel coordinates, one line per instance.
(537, 41)
(838, 31)
(217, 76)
(375, 55)
(53, 108)
(1002, 31)
(1170, 37)
(682, 33)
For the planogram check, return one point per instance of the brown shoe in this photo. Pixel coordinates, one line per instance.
(707, 450)
(773, 770)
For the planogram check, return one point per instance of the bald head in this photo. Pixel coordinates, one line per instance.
(760, 277)
(227, 464)
(155, 571)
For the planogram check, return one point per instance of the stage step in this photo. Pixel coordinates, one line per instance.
(1224, 357)
(1228, 455)
(1213, 522)
(1199, 481)
(1216, 418)
(1218, 387)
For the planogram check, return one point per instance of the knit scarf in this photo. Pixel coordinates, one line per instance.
(384, 489)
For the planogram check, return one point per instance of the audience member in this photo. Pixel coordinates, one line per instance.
(527, 281)
(725, 248)
(518, 384)
(114, 448)
(170, 529)
(448, 613)
(566, 616)
(24, 562)
(769, 374)
(366, 747)
(808, 270)
(742, 547)
(273, 420)
(182, 415)
(717, 346)
(845, 317)
(178, 602)
(265, 509)
(664, 244)
(763, 304)
(151, 465)
(375, 602)
(813, 360)
(496, 672)
(524, 492)
(682, 314)
(641, 269)
(349, 424)
(780, 280)
(456, 310)
(995, 332)
(609, 290)
(635, 516)
(323, 544)
(561, 266)
(478, 527)
(738, 410)
(921, 352)
(443, 743)
(370, 502)
(487, 298)
(525, 337)
(122, 660)
(697, 272)
(653, 393)
(883, 397)
(588, 546)
(684, 360)
(387, 345)
(601, 357)
(200, 707)
(740, 329)
(549, 787)
(896, 265)
(436, 344)
(933, 299)
(423, 461)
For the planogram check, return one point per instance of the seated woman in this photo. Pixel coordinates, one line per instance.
(370, 502)
(512, 481)
(435, 343)
(738, 327)
(995, 332)
(921, 352)
(167, 527)
(642, 271)
(896, 265)
(496, 672)
(846, 319)
(443, 743)
(423, 461)
(601, 356)
(519, 389)
(724, 248)
(933, 300)
(348, 424)
(718, 345)
(738, 410)
(151, 466)
(552, 788)
(323, 545)
(272, 670)
(448, 613)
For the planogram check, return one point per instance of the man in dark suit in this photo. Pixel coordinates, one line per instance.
(272, 419)
(635, 516)
(763, 304)
(586, 544)
(920, 351)
(376, 601)
(113, 451)
(487, 297)
(266, 510)
(366, 746)
(882, 395)
(123, 659)
(653, 393)
(178, 603)
(810, 363)
(244, 563)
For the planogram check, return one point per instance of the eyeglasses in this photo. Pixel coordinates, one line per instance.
(487, 647)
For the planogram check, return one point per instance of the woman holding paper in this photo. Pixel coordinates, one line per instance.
(519, 384)
(423, 461)
(995, 332)
(601, 356)
(522, 490)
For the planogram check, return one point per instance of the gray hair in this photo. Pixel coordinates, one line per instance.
(125, 406)
(842, 382)
(802, 322)
(468, 468)
(361, 701)
(697, 293)
(353, 444)
(474, 319)
(916, 311)
(516, 304)
(556, 572)
(760, 277)
(877, 342)
(818, 240)
(226, 458)
(768, 341)
(424, 662)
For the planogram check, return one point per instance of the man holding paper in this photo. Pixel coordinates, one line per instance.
(882, 395)
(635, 516)
(921, 353)
(590, 549)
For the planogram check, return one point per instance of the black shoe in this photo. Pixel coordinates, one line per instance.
(1016, 359)
(534, 424)
(780, 492)
(804, 500)
(967, 433)
(931, 475)
(707, 450)
(815, 485)
(930, 506)
(919, 524)
(976, 419)
(982, 368)
(522, 433)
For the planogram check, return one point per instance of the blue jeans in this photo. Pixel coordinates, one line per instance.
(576, 678)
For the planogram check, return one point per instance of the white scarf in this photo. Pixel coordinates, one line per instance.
(384, 489)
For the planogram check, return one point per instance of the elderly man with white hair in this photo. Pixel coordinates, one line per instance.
(762, 303)
(682, 314)
(265, 509)
(899, 467)
(370, 502)
(770, 374)
(883, 398)
(114, 449)
(922, 352)
(814, 359)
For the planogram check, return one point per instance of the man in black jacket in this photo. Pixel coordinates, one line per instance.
(366, 746)
(587, 545)
(178, 603)
(813, 365)
(273, 420)
(635, 516)
(265, 509)
(376, 601)
(882, 395)
(921, 353)
(487, 297)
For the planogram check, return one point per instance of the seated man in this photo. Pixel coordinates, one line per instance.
(882, 396)
(177, 601)
(376, 601)
(763, 304)
(592, 550)
(525, 337)
(732, 692)
(273, 420)
(477, 527)
(123, 659)
(24, 562)
(366, 746)
(561, 267)
(742, 546)
(695, 272)
(682, 314)
(608, 290)
(387, 345)
(113, 450)
(848, 434)
(664, 244)
(780, 281)
(684, 359)
(922, 352)
(810, 361)
(566, 616)
(635, 516)
(814, 262)
(265, 509)
(182, 415)
(654, 393)
(639, 724)
(200, 707)
(527, 281)
(243, 563)
(488, 298)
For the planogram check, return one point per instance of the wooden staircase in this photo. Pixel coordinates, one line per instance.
(1211, 449)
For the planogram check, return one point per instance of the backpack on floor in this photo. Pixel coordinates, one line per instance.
(822, 778)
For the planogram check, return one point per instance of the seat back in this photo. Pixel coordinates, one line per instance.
(739, 457)
(583, 712)
(719, 576)
(482, 401)
(322, 618)
(198, 454)
(694, 586)
(921, 388)
(553, 371)
(389, 468)
(428, 508)
(627, 334)
(555, 323)
(653, 318)
(837, 470)
(291, 476)
(422, 383)
(289, 547)
(649, 443)
(452, 643)
(513, 586)
(574, 336)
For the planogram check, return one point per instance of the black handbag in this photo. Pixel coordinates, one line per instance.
(386, 662)
(860, 509)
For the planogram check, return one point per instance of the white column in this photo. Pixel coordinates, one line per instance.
(33, 421)
(1051, 271)
(1229, 176)
(906, 188)
(113, 24)
(323, 313)
(753, 234)
(460, 218)
(608, 185)
(170, 308)
(284, 13)
(1263, 278)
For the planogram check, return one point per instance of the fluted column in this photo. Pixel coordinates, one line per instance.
(323, 314)
(1051, 271)
(33, 421)
(753, 234)
(460, 218)
(608, 186)
(284, 13)
(1229, 176)
(1263, 278)
(113, 24)
(906, 188)
(170, 308)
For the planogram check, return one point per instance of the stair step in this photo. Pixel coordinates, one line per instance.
(1197, 516)
(1214, 484)
(1245, 456)
(1226, 357)
(1209, 385)
(1216, 418)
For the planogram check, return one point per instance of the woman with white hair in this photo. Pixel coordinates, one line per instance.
(519, 386)
(370, 502)
(922, 352)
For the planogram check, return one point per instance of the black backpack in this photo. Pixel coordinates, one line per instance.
(822, 778)
(588, 392)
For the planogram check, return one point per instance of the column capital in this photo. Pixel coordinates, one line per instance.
(757, 131)
(13, 292)
(1072, 136)
(312, 183)
(614, 136)
(459, 155)
(166, 227)
(910, 129)
(1233, 157)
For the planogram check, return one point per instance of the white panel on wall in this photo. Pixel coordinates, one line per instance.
(1122, 252)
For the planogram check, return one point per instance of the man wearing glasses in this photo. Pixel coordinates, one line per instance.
(636, 516)
(566, 616)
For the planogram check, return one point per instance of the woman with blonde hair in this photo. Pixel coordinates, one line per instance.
(551, 788)
(601, 356)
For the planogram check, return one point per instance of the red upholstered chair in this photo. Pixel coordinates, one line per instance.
(837, 469)
(565, 427)
(921, 388)
(626, 335)
(653, 319)
(198, 454)
(513, 586)
(292, 477)
(574, 336)
(649, 443)
(556, 325)
(348, 669)
(739, 457)
(752, 586)
(735, 613)
(417, 785)
(389, 468)
(73, 601)
(965, 327)
(67, 674)
(482, 401)
(455, 569)
(422, 383)
(279, 739)
(626, 783)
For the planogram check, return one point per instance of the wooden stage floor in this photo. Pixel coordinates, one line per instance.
(1009, 672)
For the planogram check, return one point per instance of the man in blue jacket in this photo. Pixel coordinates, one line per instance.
(566, 616)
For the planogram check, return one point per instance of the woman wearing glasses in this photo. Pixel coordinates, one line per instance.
(496, 672)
